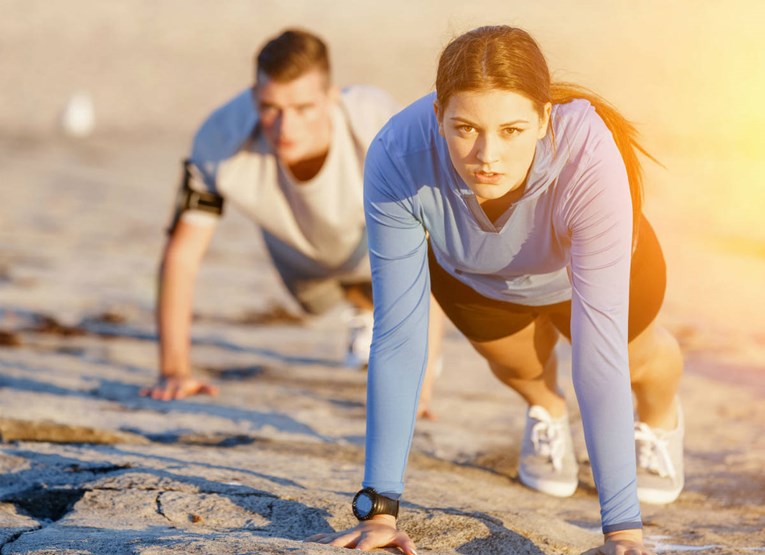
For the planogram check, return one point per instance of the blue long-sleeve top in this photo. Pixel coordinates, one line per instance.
(568, 237)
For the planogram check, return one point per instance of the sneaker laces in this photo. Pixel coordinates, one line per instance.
(547, 439)
(652, 452)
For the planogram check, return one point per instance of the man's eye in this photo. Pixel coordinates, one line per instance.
(465, 128)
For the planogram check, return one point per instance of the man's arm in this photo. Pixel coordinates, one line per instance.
(180, 263)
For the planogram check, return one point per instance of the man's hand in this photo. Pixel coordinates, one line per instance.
(178, 387)
(424, 412)
(623, 542)
(379, 531)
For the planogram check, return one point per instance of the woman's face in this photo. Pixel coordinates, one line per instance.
(492, 136)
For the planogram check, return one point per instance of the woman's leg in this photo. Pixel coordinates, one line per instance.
(656, 366)
(526, 362)
(656, 363)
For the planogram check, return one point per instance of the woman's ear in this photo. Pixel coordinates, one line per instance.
(544, 121)
(439, 118)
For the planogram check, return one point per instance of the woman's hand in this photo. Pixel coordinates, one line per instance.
(379, 531)
(623, 542)
(178, 387)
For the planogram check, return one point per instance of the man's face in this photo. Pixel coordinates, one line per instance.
(296, 115)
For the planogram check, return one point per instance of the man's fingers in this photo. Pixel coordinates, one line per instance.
(178, 389)
(168, 392)
(427, 414)
(182, 390)
(208, 389)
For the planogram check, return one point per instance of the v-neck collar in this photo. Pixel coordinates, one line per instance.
(537, 174)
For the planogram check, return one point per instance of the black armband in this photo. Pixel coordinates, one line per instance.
(190, 199)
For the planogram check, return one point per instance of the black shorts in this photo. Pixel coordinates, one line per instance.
(483, 319)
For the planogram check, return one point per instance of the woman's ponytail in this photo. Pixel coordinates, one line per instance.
(625, 135)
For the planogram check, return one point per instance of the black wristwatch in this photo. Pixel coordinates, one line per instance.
(368, 503)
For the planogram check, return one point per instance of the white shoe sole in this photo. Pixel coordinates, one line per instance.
(658, 496)
(556, 489)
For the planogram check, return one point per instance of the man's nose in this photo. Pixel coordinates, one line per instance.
(286, 123)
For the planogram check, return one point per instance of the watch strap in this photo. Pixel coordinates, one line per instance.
(381, 505)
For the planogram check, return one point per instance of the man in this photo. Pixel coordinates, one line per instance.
(289, 153)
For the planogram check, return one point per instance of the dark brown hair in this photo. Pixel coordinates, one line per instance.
(291, 54)
(508, 58)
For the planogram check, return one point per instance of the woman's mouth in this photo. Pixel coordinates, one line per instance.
(488, 178)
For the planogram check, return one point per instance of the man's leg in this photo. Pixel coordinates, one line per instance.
(435, 359)
(360, 295)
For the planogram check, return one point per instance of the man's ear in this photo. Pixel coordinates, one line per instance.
(334, 93)
(439, 117)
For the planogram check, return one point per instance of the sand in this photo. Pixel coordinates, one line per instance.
(88, 467)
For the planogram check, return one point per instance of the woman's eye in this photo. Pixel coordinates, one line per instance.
(512, 131)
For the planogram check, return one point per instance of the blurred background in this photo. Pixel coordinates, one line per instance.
(690, 74)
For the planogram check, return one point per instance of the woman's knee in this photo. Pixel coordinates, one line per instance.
(655, 353)
(522, 356)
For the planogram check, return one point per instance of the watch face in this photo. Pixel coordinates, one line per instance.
(363, 504)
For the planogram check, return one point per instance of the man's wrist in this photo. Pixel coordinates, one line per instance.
(174, 374)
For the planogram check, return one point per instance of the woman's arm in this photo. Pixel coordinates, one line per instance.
(599, 216)
(401, 291)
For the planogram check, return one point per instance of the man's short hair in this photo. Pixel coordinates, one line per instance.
(292, 54)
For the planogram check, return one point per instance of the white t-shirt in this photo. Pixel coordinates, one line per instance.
(322, 219)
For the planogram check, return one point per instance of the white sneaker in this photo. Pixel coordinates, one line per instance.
(548, 463)
(359, 339)
(660, 473)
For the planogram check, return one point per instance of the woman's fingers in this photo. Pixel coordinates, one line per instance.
(619, 548)
(407, 545)
(367, 536)
(346, 538)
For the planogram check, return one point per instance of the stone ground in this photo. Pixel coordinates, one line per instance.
(89, 467)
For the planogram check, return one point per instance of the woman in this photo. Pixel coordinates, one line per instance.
(513, 200)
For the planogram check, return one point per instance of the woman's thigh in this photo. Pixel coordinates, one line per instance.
(479, 318)
(518, 336)
(515, 337)
(522, 355)
(648, 281)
